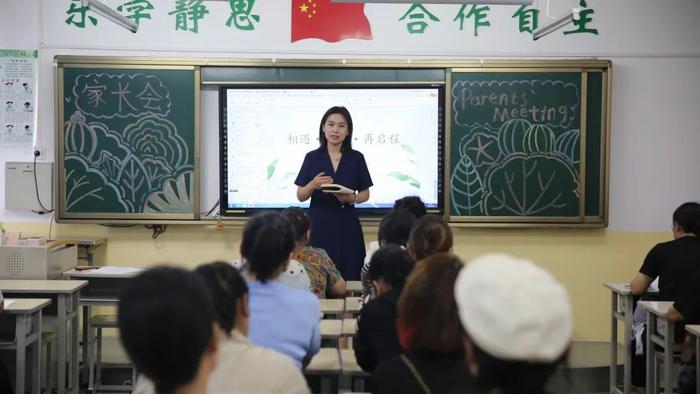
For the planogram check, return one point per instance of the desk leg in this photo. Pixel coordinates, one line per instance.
(668, 357)
(20, 359)
(86, 345)
(36, 354)
(627, 343)
(613, 342)
(61, 354)
(74, 378)
(651, 326)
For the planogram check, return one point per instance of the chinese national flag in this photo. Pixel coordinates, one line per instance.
(328, 21)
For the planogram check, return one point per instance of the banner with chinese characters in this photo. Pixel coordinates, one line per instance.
(283, 25)
(18, 70)
(259, 28)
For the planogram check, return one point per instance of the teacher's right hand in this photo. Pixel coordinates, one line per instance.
(320, 179)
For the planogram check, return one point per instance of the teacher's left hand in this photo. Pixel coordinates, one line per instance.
(346, 198)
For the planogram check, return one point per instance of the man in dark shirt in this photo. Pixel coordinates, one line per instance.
(674, 263)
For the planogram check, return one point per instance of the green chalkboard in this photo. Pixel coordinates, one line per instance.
(515, 146)
(127, 142)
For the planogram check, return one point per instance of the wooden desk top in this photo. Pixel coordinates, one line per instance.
(624, 288)
(17, 306)
(693, 329)
(105, 272)
(353, 286)
(84, 241)
(41, 286)
(331, 305)
(349, 363)
(331, 328)
(353, 304)
(325, 361)
(349, 327)
(658, 308)
(619, 288)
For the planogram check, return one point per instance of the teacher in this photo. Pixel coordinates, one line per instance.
(335, 226)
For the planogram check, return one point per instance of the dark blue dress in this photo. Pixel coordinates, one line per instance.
(335, 227)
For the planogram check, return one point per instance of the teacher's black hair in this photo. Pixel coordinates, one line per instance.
(268, 239)
(347, 142)
(166, 323)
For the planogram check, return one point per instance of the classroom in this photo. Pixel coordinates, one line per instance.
(653, 131)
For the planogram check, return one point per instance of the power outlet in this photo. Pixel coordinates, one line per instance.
(42, 152)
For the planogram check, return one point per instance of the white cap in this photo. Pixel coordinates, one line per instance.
(513, 310)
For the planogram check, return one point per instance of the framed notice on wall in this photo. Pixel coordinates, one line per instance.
(18, 72)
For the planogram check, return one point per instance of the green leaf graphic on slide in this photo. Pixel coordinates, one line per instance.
(534, 185)
(271, 168)
(405, 178)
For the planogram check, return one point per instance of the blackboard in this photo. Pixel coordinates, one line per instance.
(528, 146)
(127, 141)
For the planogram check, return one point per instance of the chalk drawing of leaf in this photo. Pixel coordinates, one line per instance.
(466, 189)
(88, 190)
(108, 164)
(271, 168)
(134, 181)
(405, 178)
(175, 197)
(535, 185)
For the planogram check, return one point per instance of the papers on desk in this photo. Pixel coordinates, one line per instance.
(9, 302)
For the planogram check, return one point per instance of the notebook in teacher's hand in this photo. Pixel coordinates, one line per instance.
(335, 188)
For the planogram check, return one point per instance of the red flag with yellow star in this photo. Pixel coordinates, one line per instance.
(328, 21)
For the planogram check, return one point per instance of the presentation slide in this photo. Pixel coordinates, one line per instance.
(269, 130)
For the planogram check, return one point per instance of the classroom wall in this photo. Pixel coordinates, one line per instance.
(655, 132)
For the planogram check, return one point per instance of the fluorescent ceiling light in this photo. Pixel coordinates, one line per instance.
(111, 14)
(492, 2)
(556, 25)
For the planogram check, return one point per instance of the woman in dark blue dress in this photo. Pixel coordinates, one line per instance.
(335, 226)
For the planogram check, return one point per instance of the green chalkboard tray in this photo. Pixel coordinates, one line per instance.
(127, 141)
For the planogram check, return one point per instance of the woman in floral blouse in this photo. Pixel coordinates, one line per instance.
(325, 277)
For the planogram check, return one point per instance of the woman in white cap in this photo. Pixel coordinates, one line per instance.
(518, 323)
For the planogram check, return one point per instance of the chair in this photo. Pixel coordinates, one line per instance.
(95, 326)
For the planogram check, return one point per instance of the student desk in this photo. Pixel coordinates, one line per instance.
(86, 245)
(27, 314)
(64, 296)
(353, 305)
(349, 327)
(353, 287)
(326, 365)
(621, 308)
(695, 331)
(332, 306)
(103, 287)
(331, 328)
(659, 332)
(353, 370)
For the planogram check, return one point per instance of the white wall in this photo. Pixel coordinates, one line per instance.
(653, 45)
(19, 29)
